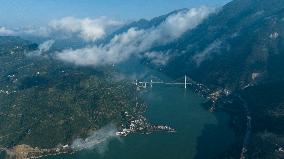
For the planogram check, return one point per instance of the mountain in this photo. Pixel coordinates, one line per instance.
(141, 24)
(46, 103)
(234, 47)
(240, 48)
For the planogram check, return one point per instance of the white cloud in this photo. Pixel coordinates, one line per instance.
(26, 31)
(177, 24)
(207, 52)
(117, 50)
(5, 31)
(158, 58)
(87, 28)
(97, 140)
(132, 42)
(43, 48)
(135, 41)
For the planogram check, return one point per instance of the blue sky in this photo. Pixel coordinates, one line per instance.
(17, 13)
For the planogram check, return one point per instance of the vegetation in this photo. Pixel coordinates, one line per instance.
(45, 102)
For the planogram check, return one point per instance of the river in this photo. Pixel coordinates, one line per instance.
(200, 134)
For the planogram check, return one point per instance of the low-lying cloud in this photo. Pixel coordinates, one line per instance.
(158, 58)
(132, 42)
(97, 140)
(207, 52)
(87, 28)
(136, 41)
(5, 31)
(43, 48)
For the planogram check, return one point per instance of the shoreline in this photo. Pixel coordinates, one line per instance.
(138, 124)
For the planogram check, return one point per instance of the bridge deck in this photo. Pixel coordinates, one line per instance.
(151, 83)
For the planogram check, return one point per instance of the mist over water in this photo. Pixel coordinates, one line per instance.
(97, 140)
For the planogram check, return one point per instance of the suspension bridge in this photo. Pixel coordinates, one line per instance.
(185, 81)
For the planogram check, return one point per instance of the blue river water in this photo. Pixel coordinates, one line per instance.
(200, 133)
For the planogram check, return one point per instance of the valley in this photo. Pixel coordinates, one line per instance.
(205, 82)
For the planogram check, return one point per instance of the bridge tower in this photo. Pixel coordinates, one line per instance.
(145, 84)
(151, 83)
(185, 82)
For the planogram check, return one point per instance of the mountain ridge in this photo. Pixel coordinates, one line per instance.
(239, 48)
(223, 29)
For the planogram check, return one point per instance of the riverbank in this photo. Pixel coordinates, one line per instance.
(240, 122)
(195, 129)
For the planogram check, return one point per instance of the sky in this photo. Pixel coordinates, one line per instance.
(18, 13)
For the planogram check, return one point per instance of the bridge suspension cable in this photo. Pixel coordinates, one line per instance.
(144, 84)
